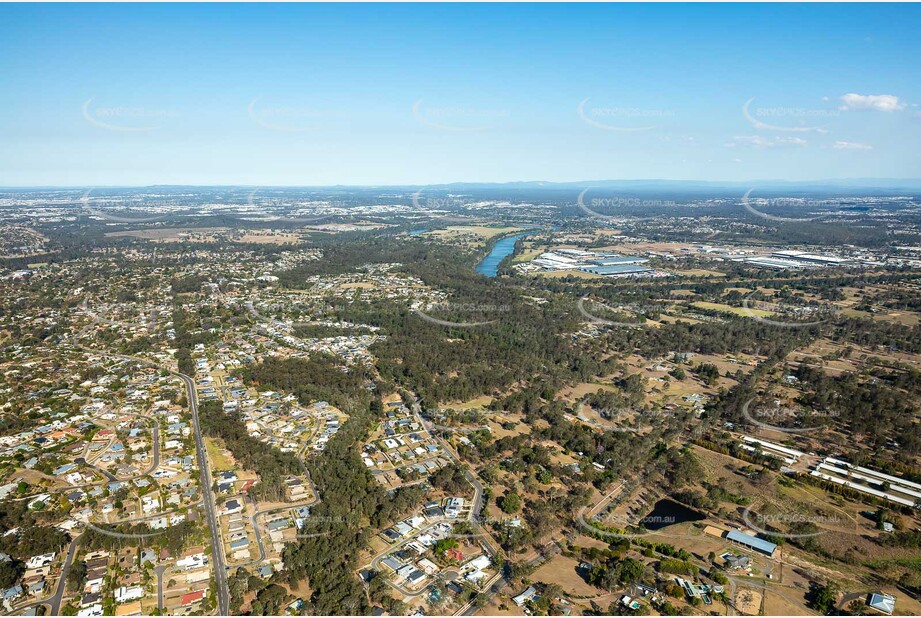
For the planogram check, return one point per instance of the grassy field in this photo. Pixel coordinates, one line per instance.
(270, 239)
(577, 392)
(608, 232)
(908, 318)
(170, 233)
(568, 273)
(480, 230)
(527, 255)
(670, 319)
(700, 272)
(478, 403)
(218, 455)
(729, 309)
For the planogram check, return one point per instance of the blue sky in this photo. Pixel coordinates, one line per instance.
(387, 94)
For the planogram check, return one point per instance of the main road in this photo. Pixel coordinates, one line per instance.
(207, 488)
(217, 546)
(478, 493)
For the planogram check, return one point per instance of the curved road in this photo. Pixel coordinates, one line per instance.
(217, 555)
(55, 600)
(110, 478)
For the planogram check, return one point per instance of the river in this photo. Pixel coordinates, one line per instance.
(503, 248)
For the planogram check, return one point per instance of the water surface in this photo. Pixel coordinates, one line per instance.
(503, 248)
(667, 512)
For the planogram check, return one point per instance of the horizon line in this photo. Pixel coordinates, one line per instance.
(549, 183)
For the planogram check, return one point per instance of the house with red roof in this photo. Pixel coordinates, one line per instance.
(453, 553)
(192, 597)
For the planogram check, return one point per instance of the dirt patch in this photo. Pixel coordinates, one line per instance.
(777, 605)
(748, 601)
(563, 571)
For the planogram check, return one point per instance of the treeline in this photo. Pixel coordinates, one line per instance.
(733, 335)
(183, 341)
(318, 378)
(630, 394)
(187, 284)
(824, 283)
(351, 504)
(320, 331)
(869, 408)
(451, 479)
(735, 450)
(191, 329)
(111, 538)
(35, 532)
(524, 341)
(272, 465)
(874, 334)
(850, 493)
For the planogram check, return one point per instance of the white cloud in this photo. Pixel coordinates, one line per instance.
(878, 102)
(842, 145)
(758, 141)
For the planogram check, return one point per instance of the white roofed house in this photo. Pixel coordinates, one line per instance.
(528, 594)
(125, 594)
(881, 602)
(478, 564)
(192, 562)
(40, 560)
